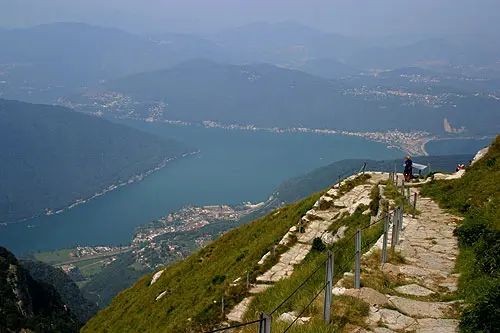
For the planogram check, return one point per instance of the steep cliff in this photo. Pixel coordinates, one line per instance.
(28, 304)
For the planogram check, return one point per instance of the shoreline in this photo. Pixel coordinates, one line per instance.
(112, 187)
(484, 137)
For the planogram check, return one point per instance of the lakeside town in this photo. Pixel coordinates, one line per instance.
(148, 246)
(190, 218)
(122, 106)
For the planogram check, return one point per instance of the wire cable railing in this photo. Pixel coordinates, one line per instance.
(345, 265)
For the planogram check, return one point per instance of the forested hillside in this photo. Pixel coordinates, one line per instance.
(70, 293)
(52, 156)
(30, 304)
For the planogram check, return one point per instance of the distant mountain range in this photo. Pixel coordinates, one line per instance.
(45, 62)
(52, 156)
(269, 96)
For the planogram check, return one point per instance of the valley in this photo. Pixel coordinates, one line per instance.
(195, 154)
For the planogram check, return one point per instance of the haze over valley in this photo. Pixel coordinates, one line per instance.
(136, 136)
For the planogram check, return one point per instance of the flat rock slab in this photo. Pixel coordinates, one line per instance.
(284, 267)
(369, 295)
(239, 310)
(430, 325)
(314, 229)
(394, 320)
(259, 288)
(418, 309)
(383, 330)
(414, 289)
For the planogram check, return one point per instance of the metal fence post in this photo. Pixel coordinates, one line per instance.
(328, 292)
(408, 196)
(429, 168)
(357, 270)
(397, 176)
(384, 243)
(394, 227)
(274, 250)
(398, 224)
(265, 323)
(401, 214)
(300, 225)
(248, 279)
(414, 205)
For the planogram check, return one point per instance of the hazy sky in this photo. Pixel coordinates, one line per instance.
(352, 17)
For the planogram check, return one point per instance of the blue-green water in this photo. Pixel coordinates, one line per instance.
(456, 146)
(233, 166)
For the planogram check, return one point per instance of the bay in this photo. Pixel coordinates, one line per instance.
(233, 166)
(456, 146)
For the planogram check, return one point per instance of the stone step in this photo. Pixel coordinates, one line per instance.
(419, 309)
(238, 312)
(259, 288)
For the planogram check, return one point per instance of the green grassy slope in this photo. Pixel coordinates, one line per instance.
(195, 286)
(476, 197)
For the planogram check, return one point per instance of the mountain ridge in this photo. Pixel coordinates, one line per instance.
(54, 156)
(269, 96)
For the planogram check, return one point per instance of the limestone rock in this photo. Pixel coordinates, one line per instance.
(430, 325)
(161, 295)
(238, 312)
(414, 289)
(264, 258)
(394, 320)
(338, 291)
(330, 239)
(333, 192)
(156, 276)
(418, 309)
(369, 295)
(324, 203)
(288, 317)
(383, 330)
(259, 288)
(480, 154)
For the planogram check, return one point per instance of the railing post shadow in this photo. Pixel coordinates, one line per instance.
(394, 228)
(401, 214)
(414, 205)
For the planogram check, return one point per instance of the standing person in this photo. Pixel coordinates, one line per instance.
(408, 173)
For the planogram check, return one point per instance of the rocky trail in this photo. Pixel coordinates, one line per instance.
(419, 296)
(422, 281)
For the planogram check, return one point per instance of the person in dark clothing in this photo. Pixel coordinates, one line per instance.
(408, 173)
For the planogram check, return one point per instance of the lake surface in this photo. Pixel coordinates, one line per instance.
(456, 146)
(233, 166)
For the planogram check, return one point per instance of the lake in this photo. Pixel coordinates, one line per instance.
(456, 146)
(233, 166)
